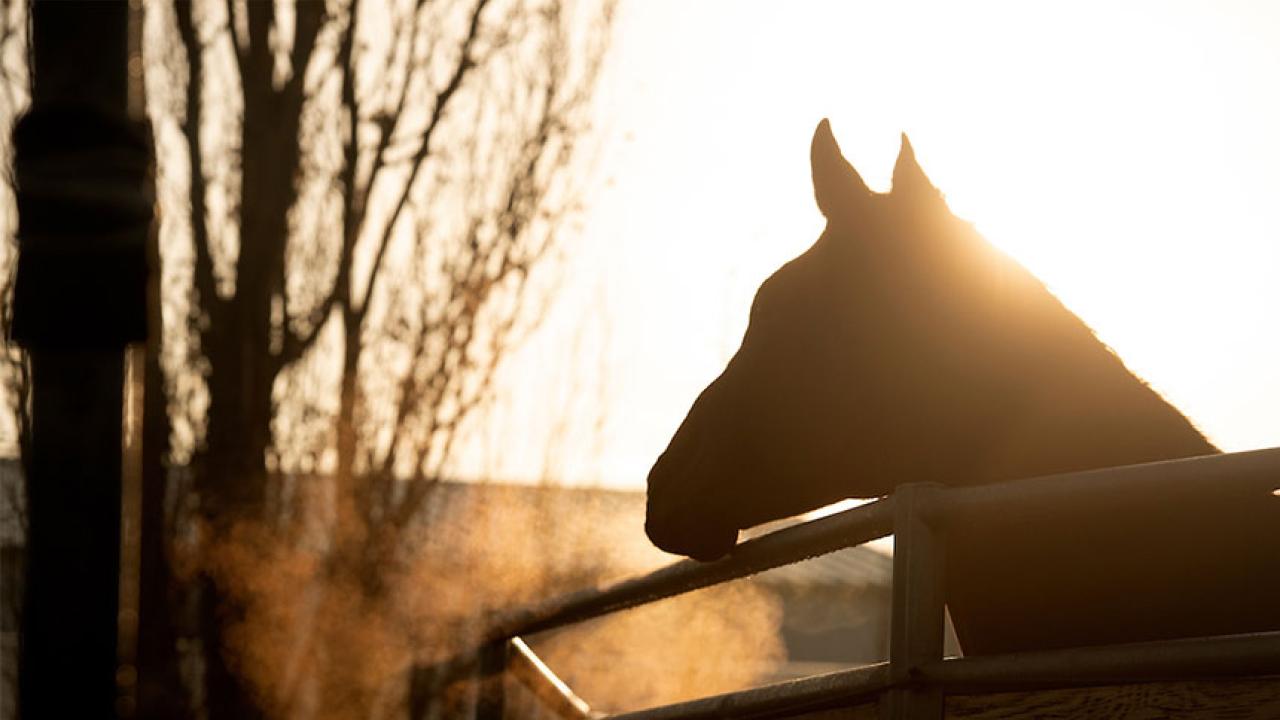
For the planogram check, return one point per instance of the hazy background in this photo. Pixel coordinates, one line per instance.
(1126, 153)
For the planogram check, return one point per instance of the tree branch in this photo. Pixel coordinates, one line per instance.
(410, 386)
(309, 17)
(475, 282)
(206, 284)
(387, 125)
(294, 344)
(465, 63)
(261, 15)
(236, 50)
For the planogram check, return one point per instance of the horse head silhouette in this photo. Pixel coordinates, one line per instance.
(902, 347)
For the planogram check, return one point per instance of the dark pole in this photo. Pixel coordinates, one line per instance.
(492, 702)
(82, 170)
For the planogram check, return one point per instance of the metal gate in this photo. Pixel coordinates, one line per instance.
(917, 681)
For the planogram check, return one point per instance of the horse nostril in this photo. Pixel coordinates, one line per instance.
(688, 533)
(711, 544)
(678, 518)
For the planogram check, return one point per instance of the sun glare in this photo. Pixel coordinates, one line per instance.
(1124, 152)
(1118, 153)
(1121, 151)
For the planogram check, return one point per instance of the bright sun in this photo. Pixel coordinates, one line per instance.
(1125, 152)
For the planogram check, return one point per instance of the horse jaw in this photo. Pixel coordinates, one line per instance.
(677, 517)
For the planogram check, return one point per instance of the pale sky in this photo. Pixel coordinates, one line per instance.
(1128, 153)
(1125, 152)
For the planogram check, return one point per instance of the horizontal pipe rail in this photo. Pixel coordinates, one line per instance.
(1256, 655)
(786, 698)
(1253, 654)
(1247, 474)
(818, 537)
(1255, 471)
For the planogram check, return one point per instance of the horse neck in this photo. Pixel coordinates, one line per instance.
(1076, 406)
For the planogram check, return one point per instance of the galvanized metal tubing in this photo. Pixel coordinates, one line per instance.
(1250, 655)
(1253, 473)
(819, 537)
(912, 684)
(527, 667)
(1260, 468)
(1194, 658)
(809, 694)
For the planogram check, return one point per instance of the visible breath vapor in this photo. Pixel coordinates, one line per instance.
(331, 640)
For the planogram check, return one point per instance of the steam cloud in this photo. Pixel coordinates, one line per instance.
(331, 638)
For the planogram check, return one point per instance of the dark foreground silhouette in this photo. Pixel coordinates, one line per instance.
(902, 347)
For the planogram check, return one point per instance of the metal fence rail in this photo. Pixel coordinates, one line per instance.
(826, 535)
(912, 684)
(1195, 658)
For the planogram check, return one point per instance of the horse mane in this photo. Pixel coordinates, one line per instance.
(1065, 368)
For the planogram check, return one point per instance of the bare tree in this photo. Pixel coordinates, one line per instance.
(15, 372)
(15, 94)
(355, 195)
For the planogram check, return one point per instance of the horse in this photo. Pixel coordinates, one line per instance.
(903, 347)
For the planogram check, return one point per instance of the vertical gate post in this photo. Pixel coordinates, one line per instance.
(491, 705)
(82, 170)
(917, 622)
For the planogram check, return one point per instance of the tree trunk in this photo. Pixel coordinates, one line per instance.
(244, 362)
(346, 424)
(161, 691)
(231, 478)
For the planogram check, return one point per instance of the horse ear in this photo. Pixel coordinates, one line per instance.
(836, 185)
(908, 178)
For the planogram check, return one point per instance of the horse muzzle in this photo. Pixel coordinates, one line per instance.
(681, 520)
